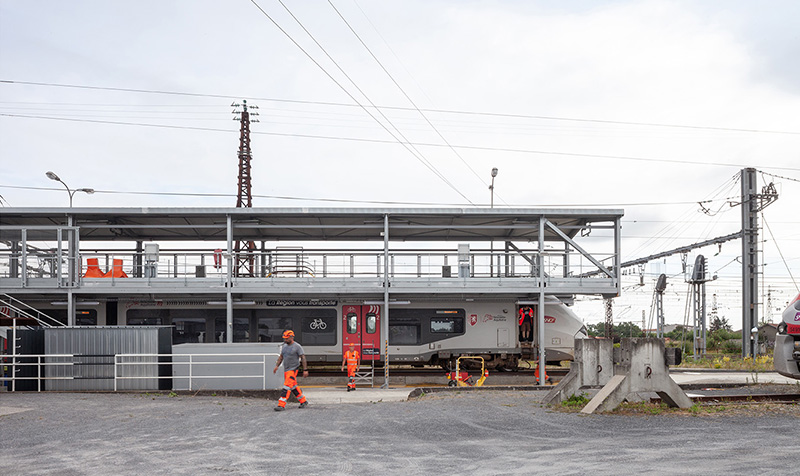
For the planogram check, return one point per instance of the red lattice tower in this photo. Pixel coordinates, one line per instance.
(244, 250)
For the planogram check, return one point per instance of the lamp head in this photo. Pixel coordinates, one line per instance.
(494, 172)
(52, 176)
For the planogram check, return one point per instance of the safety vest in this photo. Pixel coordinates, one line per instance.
(352, 358)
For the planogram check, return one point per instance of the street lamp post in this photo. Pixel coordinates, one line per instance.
(491, 187)
(53, 176)
(491, 243)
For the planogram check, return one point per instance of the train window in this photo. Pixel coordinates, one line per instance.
(270, 329)
(188, 329)
(319, 330)
(352, 323)
(404, 334)
(371, 323)
(451, 325)
(144, 321)
(241, 329)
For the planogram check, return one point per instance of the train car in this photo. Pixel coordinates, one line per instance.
(420, 333)
(787, 341)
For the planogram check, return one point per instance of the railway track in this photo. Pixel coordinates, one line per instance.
(426, 372)
(784, 398)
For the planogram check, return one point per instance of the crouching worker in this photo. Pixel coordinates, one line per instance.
(291, 356)
(352, 358)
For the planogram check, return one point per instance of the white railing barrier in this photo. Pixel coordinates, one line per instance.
(120, 363)
(13, 362)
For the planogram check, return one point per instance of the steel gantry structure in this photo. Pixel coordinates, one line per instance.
(386, 255)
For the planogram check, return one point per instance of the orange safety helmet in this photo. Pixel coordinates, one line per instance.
(287, 334)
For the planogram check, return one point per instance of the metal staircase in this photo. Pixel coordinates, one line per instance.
(13, 309)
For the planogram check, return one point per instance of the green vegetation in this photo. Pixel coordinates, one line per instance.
(643, 408)
(723, 346)
(576, 402)
(762, 363)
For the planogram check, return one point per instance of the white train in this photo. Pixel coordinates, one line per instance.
(787, 342)
(420, 333)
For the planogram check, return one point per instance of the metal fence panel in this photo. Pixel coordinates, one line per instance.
(94, 349)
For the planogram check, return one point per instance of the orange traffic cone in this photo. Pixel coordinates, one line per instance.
(93, 269)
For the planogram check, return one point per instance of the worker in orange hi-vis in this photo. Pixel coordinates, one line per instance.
(352, 358)
(291, 356)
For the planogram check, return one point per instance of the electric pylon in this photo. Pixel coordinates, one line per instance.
(244, 250)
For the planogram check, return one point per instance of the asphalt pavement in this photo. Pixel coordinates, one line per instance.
(456, 432)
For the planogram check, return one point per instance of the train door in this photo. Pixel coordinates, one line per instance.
(361, 326)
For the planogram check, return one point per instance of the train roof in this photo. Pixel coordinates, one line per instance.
(309, 224)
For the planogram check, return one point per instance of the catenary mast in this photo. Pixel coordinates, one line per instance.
(244, 250)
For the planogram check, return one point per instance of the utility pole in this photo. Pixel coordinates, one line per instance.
(752, 203)
(698, 281)
(609, 318)
(244, 250)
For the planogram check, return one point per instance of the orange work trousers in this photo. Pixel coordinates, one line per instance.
(290, 387)
(351, 374)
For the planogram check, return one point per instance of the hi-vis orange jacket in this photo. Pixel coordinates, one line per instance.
(352, 358)
(525, 312)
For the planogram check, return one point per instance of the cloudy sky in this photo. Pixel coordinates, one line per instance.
(648, 106)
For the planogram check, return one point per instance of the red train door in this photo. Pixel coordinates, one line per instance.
(361, 326)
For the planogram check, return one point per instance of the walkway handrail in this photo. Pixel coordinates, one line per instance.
(26, 314)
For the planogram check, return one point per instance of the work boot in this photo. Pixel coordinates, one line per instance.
(303, 405)
(348, 389)
(279, 408)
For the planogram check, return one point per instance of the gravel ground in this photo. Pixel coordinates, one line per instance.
(504, 432)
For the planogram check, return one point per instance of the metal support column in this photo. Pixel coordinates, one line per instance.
(749, 260)
(77, 263)
(617, 254)
(385, 325)
(23, 257)
(138, 262)
(540, 314)
(229, 285)
(59, 254)
(70, 255)
(70, 308)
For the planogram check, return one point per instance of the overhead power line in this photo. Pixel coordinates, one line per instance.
(416, 108)
(405, 143)
(425, 144)
(400, 108)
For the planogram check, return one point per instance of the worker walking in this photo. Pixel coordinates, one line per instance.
(352, 358)
(291, 355)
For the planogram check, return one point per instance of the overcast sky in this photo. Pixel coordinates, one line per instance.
(648, 106)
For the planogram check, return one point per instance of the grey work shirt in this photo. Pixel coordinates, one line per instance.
(291, 356)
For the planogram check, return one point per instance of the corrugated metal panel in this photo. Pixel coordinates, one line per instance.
(92, 367)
